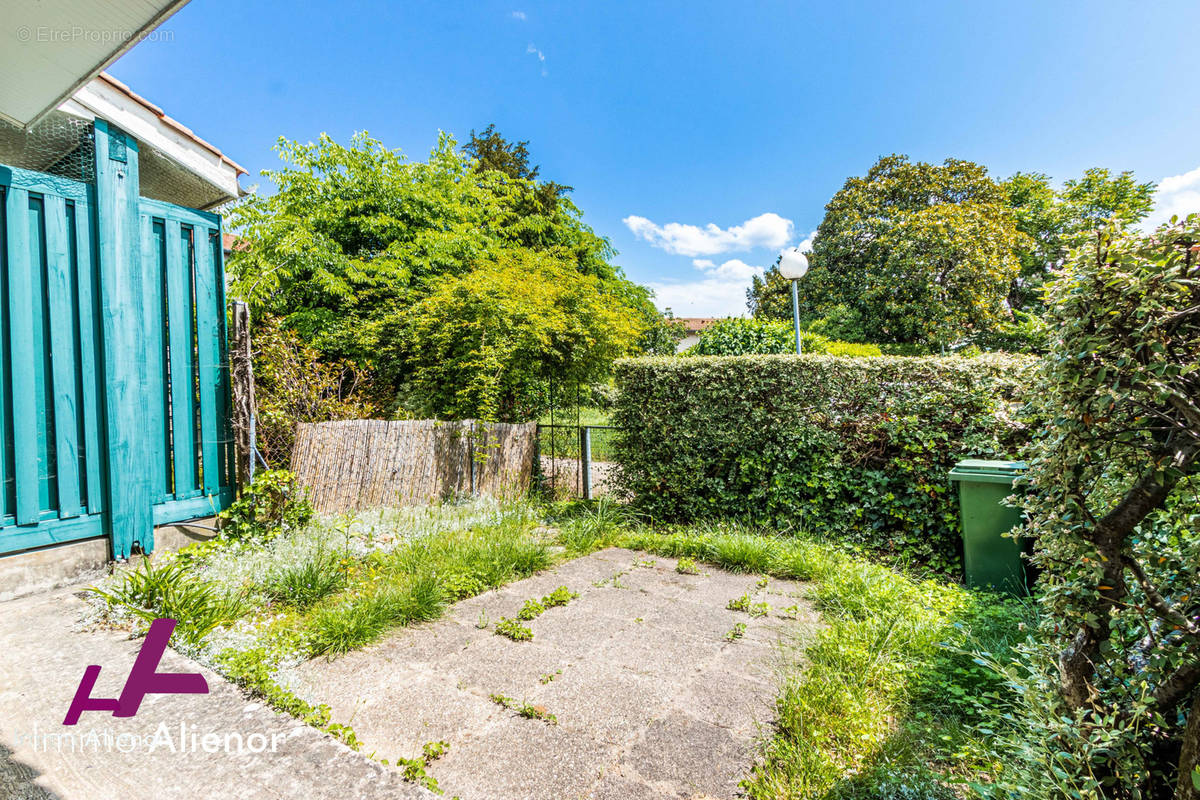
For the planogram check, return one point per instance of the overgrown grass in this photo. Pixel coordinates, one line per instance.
(887, 701)
(587, 527)
(155, 590)
(254, 608)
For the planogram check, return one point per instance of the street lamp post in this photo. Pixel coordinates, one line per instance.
(792, 265)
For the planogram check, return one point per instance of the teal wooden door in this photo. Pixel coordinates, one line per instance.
(188, 423)
(114, 381)
(51, 460)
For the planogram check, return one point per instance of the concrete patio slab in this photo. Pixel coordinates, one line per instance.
(651, 700)
(649, 697)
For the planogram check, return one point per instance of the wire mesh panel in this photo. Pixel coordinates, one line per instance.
(61, 145)
(576, 460)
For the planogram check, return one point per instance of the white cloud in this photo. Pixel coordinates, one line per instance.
(519, 15)
(766, 230)
(534, 51)
(720, 293)
(1177, 195)
(806, 245)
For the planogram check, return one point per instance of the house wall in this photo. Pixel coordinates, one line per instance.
(75, 562)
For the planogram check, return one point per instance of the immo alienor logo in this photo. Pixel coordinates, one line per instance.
(143, 679)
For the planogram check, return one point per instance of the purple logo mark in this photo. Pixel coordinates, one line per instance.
(143, 679)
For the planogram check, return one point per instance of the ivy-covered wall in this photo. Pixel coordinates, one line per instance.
(857, 449)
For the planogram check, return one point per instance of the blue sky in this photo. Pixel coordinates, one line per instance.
(701, 138)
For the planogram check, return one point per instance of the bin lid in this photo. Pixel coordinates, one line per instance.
(978, 466)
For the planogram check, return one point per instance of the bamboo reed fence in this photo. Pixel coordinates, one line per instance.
(357, 464)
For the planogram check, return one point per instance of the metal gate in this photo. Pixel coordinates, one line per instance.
(576, 460)
(114, 391)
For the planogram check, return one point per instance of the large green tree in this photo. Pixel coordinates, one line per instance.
(1049, 222)
(355, 232)
(1055, 220)
(481, 344)
(913, 253)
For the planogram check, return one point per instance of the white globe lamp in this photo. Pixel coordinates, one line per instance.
(792, 265)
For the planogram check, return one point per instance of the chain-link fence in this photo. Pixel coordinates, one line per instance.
(577, 460)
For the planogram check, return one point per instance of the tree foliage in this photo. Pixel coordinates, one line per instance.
(1053, 221)
(738, 336)
(914, 253)
(480, 344)
(357, 234)
(1114, 508)
(885, 261)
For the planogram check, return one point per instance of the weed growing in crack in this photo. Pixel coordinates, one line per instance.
(524, 709)
(549, 676)
(534, 608)
(414, 768)
(483, 622)
(687, 566)
(613, 580)
(531, 610)
(513, 630)
(736, 632)
(746, 604)
(559, 597)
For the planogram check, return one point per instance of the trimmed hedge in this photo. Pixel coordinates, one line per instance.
(856, 449)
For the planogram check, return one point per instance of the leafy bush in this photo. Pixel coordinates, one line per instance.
(739, 336)
(292, 384)
(857, 449)
(272, 503)
(1113, 685)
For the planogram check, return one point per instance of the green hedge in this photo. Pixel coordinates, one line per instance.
(856, 449)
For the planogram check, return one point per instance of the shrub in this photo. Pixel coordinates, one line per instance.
(1113, 687)
(273, 502)
(293, 383)
(740, 336)
(857, 449)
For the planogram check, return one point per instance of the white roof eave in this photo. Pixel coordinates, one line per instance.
(53, 48)
(100, 98)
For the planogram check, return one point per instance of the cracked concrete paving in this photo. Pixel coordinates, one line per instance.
(651, 700)
(42, 658)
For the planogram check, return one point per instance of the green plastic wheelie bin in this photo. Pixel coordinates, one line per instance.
(991, 559)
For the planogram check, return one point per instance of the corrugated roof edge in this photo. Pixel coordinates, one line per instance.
(178, 126)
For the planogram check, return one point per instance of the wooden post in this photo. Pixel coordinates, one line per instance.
(129, 479)
(241, 367)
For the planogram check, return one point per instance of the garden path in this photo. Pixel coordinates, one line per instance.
(651, 699)
(42, 658)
